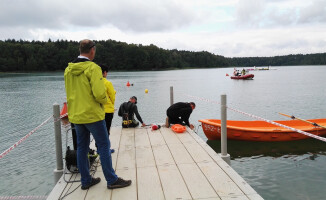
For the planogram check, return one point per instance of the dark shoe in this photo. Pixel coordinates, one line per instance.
(93, 182)
(112, 150)
(120, 183)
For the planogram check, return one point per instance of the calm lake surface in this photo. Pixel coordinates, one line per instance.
(282, 170)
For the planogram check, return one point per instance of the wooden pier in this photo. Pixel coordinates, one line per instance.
(162, 165)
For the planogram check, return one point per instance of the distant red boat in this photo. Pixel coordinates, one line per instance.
(246, 77)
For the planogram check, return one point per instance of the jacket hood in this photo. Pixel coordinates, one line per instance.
(78, 68)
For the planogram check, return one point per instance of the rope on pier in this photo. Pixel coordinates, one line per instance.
(24, 138)
(260, 118)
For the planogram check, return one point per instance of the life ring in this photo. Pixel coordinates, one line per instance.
(178, 128)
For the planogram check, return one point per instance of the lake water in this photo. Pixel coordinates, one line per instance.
(283, 170)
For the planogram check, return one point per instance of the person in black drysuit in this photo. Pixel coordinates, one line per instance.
(127, 111)
(179, 113)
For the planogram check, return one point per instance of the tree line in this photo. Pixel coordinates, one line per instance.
(27, 56)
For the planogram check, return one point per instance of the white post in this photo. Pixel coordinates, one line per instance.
(171, 95)
(224, 154)
(58, 142)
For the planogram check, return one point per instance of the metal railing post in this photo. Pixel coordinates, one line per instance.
(224, 154)
(58, 142)
(171, 95)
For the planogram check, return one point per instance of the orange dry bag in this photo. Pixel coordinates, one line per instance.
(178, 128)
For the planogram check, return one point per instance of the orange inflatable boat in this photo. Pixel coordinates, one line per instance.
(261, 130)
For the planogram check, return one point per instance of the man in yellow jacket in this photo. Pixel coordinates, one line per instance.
(86, 95)
(110, 94)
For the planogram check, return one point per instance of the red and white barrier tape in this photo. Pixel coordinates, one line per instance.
(64, 115)
(23, 138)
(22, 197)
(260, 118)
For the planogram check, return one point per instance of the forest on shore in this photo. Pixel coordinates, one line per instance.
(28, 56)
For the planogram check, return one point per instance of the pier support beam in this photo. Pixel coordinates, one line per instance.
(224, 154)
(58, 142)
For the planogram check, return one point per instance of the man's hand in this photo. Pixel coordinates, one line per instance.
(143, 124)
(192, 127)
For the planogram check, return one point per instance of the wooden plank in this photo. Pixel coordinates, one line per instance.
(68, 186)
(127, 153)
(173, 184)
(221, 182)
(186, 138)
(149, 185)
(241, 197)
(99, 191)
(126, 158)
(180, 154)
(59, 188)
(129, 192)
(141, 138)
(236, 178)
(144, 156)
(162, 155)
(169, 136)
(75, 188)
(156, 137)
(255, 197)
(215, 156)
(149, 159)
(127, 138)
(115, 134)
(197, 152)
(196, 137)
(198, 185)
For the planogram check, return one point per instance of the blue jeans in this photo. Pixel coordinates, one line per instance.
(100, 134)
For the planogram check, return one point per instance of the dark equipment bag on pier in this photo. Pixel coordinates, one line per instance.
(71, 159)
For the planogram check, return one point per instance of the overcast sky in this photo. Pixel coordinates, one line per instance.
(231, 28)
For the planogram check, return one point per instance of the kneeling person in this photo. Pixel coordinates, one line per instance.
(127, 111)
(179, 113)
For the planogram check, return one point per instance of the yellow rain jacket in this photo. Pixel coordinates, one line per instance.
(110, 94)
(85, 92)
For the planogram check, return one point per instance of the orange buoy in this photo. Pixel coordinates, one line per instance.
(178, 128)
(64, 111)
(128, 84)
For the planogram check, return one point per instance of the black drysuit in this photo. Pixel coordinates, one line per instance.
(179, 113)
(127, 111)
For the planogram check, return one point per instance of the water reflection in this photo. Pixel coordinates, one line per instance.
(240, 149)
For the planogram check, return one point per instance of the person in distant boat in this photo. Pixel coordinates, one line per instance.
(110, 94)
(127, 110)
(235, 72)
(243, 72)
(179, 113)
(85, 95)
